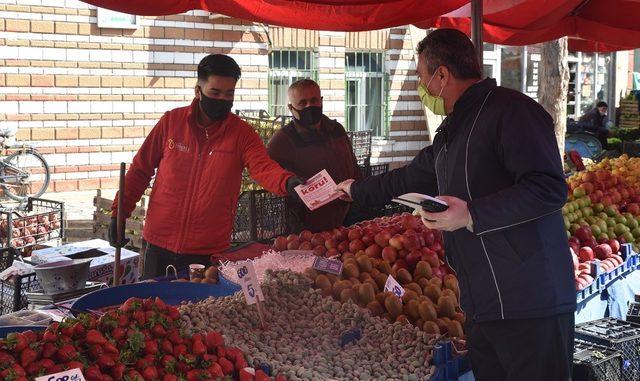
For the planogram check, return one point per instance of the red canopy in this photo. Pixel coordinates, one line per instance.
(338, 15)
(597, 25)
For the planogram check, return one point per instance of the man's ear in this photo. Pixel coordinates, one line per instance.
(444, 74)
(196, 89)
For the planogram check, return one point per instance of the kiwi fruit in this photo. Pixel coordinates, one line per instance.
(431, 327)
(384, 267)
(366, 293)
(411, 309)
(409, 295)
(414, 287)
(364, 263)
(433, 292)
(393, 305)
(427, 311)
(454, 328)
(348, 294)
(446, 307)
(404, 276)
(375, 308)
(423, 270)
(351, 271)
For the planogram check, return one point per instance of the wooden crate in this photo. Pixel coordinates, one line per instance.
(629, 115)
(133, 227)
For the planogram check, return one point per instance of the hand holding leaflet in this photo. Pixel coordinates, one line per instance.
(318, 190)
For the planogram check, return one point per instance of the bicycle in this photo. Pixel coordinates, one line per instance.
(24, 173)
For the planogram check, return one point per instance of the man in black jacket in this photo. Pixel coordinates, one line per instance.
(495, 161)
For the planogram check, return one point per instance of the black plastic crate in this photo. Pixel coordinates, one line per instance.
(35, 222)
(373, 170)
(361, 143)
(13, 292)
(633, 313)
(261, 216)
(596, 363)
(631, 148)
(617, 335)
(265, 127)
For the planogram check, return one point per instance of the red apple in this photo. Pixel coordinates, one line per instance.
(615, 245)
(396, 242)
(306, 246)
(356, 245)
(585, 254)
(317, 240)
(343, 246)
(280, 244)
(368, 239)
(410, 242)
(373, 251)
(330, 243)
(319, 250)
(413, 258)
(409, 222)
(583, 233)
(382, 238)
(354, 234)
(399, 264)
(291, 237)
(306, 235)
(389, 254)
(603, 251)
(294, 244)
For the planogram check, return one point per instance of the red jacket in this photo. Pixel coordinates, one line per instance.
(195, 193)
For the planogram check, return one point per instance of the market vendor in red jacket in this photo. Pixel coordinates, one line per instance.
(310, 143)
(197, 153)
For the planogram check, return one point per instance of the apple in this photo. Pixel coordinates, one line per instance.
(294, 244)
(399, 264)
(585, 254)
(413, 258)
(373, 251)
(330, 243)
(368, 239)
(306, 235)
(291, 237)
(409, 222)
(317, 240)
(584, 233)
(354, 234)
(389, 254)
(343, 246)
(356, 245)
(319, 251)
(603, 251)
(332, 253)
(306, 246)
(615, 245)
(396, 242)
(382, 238)
(410, 242)
(280, 244)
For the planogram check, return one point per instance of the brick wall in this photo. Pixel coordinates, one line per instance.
(87, 96)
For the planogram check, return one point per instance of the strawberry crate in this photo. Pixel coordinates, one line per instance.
(616, 335)
(35, 222)
(596, 363)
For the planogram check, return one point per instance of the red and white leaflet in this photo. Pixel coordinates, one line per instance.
(318, 191)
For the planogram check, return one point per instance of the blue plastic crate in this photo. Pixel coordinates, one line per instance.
(448, 366)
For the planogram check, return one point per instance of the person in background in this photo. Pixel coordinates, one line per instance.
(495, 162)
(197, 154)
(307, 145)
(595, 121)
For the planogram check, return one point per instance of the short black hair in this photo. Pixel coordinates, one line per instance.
(602, 104)
(303, 83)
(453, 49)
(218, 64)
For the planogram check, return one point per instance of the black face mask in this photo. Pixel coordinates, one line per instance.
(216, 109)
(308, 115)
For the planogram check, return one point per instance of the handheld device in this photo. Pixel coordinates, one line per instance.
(420, 201)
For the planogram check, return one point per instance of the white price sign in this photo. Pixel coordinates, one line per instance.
(249, 282)
(393, 286)
(67, 375)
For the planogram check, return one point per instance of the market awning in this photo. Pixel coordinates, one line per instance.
(597, 25)
(336, 15)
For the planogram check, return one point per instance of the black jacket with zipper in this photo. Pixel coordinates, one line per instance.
(497, 150)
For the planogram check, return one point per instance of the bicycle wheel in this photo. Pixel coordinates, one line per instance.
(24, 174)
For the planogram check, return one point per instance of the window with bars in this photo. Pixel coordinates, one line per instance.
(366, 92)
(286, 67)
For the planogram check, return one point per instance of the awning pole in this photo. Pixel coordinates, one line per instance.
(476, 28)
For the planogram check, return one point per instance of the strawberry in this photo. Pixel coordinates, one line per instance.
(151, 347)
(246, 376)
(213, 340)
(159, 305)
(79, 330)
(132, 304)
(67, 353)
(158, 330)
(198, 348)
(118, 333)
(95, 337)
(30, 336)
(168, 362)
(28, 356)
(188, 359)
(110, 348)
(48, 350)
(198, 375)
(147, 304)
(170, 377)
(123, 321)
(281, 378)
(134, 375)
(93, 373)
(216, 370)
(139, 318)
(47, 363)
(150, 373)
(241, 363)
(75, 365)
(145, 362)
(173, 313)
(166, 346)
(95, 351)
(16, 342)
(50, 336)
(179, 350)
(66, 328)
(106, 362)
(221, 351)
(88, 321)
(210, 359)
(226, 365)
(118, 372)
(34, 368)
(174, 337)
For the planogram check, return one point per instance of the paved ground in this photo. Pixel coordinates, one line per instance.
(78, 205)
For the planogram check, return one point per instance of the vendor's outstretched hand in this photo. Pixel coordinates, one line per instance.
(455, 217)
(344, 188)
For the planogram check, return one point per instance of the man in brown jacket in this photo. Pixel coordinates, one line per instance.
(310, 143)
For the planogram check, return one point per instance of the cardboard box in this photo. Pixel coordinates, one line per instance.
(101, 269)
